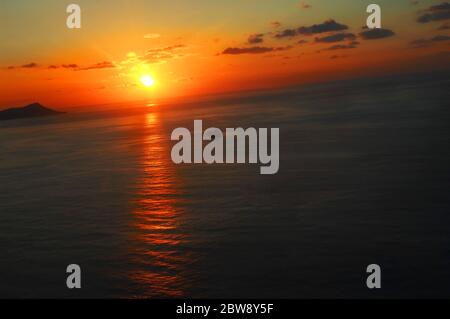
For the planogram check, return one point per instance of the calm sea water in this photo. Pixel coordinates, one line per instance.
(364, 178)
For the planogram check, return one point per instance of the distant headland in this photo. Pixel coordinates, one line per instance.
(31, 110)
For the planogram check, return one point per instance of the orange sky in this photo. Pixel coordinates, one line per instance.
(203, 47)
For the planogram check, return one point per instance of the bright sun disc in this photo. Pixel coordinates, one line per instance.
(147, 80)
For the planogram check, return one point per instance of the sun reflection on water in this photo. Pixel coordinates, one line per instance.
(156, 214)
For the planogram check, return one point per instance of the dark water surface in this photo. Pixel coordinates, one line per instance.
(364, 178)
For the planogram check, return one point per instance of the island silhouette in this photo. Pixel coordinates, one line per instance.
(31, 110)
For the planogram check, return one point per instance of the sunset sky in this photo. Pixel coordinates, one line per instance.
(203, 46)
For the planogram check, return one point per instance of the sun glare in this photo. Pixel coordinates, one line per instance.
(147, 80)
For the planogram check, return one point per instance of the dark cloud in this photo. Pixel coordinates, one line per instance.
(275, 24)
(336, 37)
(256, 38)
(304, 5)
(440, 7)
(287, 33)
(253, 50)
(99, 65)
(351, 45)
(73, 66)
(445, 26)
(420, 43)
(29, 65)
(65, 66)
(437, 12)
(302, 41)
(327, 26)
(338, 56)
(69, 66)
(374, 34)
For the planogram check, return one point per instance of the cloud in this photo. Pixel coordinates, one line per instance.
(275, 24)
(287, 33)
(327, 26)
(420, 43)
(99, 65)
(374, 34)
(154, 56)
(445, 26)
(304, 5)
(440, 7)
(437, 12)
(302, 41)
(338, 56)
(161, 55)
(256, 38)
(72, 66)
(168, 48)
(253, 50)
(29, 65)
(336, 37)
(65, 66)
(351, 45)
(152, 36)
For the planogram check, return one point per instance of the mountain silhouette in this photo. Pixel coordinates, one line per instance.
(32, 110)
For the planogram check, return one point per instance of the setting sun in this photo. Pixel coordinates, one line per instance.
(147, 80)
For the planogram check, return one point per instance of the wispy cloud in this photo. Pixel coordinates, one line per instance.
(437, 12)
(31, 65)
(154, 56)
(304, 5)
(64, 66)
(161, 55)
(152, 36)
(420, 43)
(99, 65)
(256, 38)
(333, 57)
(275, 24)
(327, 26)
(375, 34)
(336, 37)
(71, 66)
(253, 50)
(351, 45)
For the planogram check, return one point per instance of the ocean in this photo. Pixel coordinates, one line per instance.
(364, 179)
